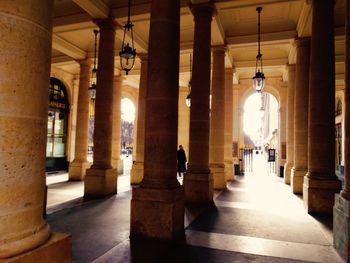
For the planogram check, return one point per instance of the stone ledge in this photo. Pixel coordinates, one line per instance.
(58, 249)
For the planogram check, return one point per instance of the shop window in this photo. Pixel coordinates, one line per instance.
(56, 126)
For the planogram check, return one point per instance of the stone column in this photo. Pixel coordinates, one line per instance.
(117, 163)
(301, 103)
(24, 84)
(157, 206)
(229, 175)
(341, 210)
(217, 120)
(101, 178)
(184, 120)
(198, 182)
(137, 167)
(77, 168)
(321, 184)
(290, 124)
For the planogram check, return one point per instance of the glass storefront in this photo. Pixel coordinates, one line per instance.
(57, 127)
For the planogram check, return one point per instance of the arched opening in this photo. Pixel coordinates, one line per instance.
(57, 127)
(127, 132)
(261, 135)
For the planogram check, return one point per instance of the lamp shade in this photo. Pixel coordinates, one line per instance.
(188, 100)
(258, 81)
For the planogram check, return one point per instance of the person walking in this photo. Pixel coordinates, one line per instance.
(181, 161)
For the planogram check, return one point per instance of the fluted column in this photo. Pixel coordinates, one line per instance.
(321, 184)
(290, 124)
(136, 173)
(101, 178)
(341, 210)
(24, 85)
(217, 120)
(160, 193)
(301, 103)
(198, 182)
(117, 163)
(229, 175)
(77, 168)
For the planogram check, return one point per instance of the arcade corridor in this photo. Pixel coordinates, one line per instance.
(257, 219)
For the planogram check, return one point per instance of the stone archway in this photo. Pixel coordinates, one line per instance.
(277, 92)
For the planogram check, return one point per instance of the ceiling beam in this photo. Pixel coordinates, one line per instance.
(233, 4)
(217, 32)
(304, 20)
(265, 37)
(267, 63)
(95, 8)
(67, 48)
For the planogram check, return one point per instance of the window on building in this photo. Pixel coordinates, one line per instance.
(57, 120)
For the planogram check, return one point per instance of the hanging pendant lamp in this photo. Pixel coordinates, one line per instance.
(128, 52)
(259, 78)
(92, 88)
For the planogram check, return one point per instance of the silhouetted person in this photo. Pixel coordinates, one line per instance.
(181, 160)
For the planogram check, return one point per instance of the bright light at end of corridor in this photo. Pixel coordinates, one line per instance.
(128, 110)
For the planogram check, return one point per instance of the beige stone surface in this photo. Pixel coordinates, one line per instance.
(290, 124)
(217, 119)
(183, 134)
(77, 168)
(100, 182)
(157, 213)
(297, 179)
(318, 195)
(101, 178)
(228, 126)
(198, 188)
(301, 103)
(136, 173)
(341, 227)
(117, 163)
(56, 250)
(137, 167)
(24, 75)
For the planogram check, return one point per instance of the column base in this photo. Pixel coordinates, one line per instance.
(287, 170)
(100, 182)
(219, 179)
(58, 249)
(318, 194)
(341, 225)
(118, 165)
(229, 175)
(297, 179)
(198, 188)
(157, 213)
(77, 170)
(136, 173)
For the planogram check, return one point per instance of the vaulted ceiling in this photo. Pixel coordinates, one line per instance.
(234, 25)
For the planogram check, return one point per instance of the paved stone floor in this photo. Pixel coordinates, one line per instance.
(257, 219)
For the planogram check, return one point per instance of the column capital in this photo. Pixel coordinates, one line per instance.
(290, 67)
(230, 71)
(118, 77)
(107, 23)
(302, 41)
(219, 49)
(84, 62)
(202, 9)
(143, 56)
